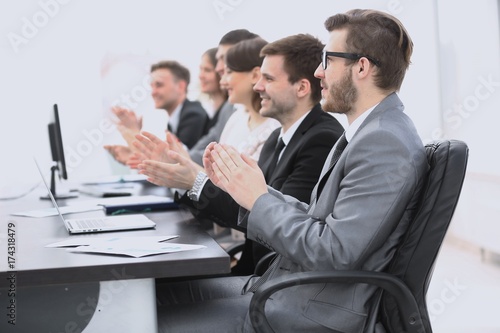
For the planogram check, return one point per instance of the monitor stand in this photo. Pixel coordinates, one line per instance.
(61, 194)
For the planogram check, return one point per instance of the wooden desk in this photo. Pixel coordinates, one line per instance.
(104, 293)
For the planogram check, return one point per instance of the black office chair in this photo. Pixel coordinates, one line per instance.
(403, 305)
(235, 248)
(263, 263)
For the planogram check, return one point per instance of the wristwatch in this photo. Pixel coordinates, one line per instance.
(194, 193)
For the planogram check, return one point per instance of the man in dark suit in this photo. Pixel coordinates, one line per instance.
(360, 209)
(290, 94)
(186, 119)
(169, 85)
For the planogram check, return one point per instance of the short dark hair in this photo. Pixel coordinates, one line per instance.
(244, 57)
(178, 71)
(380, 36)
(302, 55)
(211, 53)
(235, 36)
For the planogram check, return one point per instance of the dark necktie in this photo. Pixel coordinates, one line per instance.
(274, 159)
(339, 148)
(169, 128)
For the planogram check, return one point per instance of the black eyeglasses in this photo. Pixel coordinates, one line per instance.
(352, 56)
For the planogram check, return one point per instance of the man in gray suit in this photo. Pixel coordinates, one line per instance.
(360, 208)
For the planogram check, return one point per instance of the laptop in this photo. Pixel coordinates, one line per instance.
(99, 224)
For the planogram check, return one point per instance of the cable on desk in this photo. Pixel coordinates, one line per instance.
(22, 194)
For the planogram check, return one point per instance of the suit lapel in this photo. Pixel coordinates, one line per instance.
(267, 152)
(306, 124)
(390, 102)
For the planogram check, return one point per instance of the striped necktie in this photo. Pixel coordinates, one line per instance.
(339, 148)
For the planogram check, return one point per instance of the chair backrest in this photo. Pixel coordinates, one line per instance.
(416, 255)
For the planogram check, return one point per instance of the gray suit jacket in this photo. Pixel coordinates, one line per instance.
(213, 135)
(356, 223)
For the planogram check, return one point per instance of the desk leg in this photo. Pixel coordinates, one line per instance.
(125, 306)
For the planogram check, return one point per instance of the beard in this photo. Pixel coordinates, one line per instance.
(341, 96)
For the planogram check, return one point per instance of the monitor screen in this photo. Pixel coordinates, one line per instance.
(56, 143)
(57, 150)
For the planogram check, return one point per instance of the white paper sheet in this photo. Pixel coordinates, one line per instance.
(128, 246)
(78, 241)
(136, 250)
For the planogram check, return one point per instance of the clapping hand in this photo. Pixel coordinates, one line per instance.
(237, 174)
(180, 172)
(152, 148)
(127, 118)
(119, 153)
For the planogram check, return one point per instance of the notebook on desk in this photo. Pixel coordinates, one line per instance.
(103, 191)
(99, 224)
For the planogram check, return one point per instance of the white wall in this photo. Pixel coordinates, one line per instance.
(63, 61)
(470, 90)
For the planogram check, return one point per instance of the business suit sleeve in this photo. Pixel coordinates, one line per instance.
(299, 177)
(214, 204)
(213, 135)
(365, 202)
(191, 124)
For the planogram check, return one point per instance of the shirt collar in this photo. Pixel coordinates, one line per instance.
(287, 136)
(353, 128)
(175, 117)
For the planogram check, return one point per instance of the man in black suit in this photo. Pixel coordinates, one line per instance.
(169, 85)
(186, 119)
(290, 93)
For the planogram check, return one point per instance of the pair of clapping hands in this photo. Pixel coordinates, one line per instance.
(167, 163)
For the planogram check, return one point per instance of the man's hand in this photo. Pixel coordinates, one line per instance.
(176, 145)
(119, 153)
(237, 174)
(127, 118)
(152, 147)
(208, 163)
(128, 135)
(135, 159)
(181, 173)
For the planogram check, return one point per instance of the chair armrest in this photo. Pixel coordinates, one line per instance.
(264, 263)
(235, 248)
(406, 302)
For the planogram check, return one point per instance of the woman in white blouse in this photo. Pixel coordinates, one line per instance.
(246, 129)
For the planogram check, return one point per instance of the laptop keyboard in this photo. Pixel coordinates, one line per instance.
(90, 223)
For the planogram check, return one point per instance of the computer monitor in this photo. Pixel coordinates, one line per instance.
(57, 151)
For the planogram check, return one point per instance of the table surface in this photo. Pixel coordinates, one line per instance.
(36, 264)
